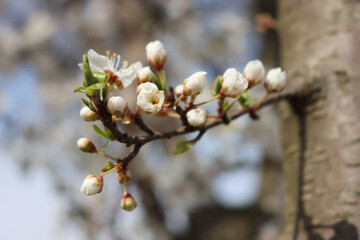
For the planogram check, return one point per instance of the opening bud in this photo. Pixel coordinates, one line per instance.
(86, 145)
(254, 72)
(156, 54)
(92, 185)
(179, 90)
(124, 176)
(117, 105)
(233, 83)
(144, 75)
(88, 115)
(275, 80)
(197, 117)
(194, 84)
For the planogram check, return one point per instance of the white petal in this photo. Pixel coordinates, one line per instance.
(98, 63)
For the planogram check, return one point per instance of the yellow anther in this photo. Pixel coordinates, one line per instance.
(118, 56)
(126, 63)
(107, 52)
(114, 54)
(132, 65)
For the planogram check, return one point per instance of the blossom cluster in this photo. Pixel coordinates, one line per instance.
(105, 73)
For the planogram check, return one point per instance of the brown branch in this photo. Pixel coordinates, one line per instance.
(143, 126)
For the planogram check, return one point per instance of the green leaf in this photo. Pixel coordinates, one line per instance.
(105, 91)
(250, 101)
(80, 89)
(106, 144)
(182, 147)
(109, 165)
(88, 104)
(156, 81)
(217, 86)
(88, 75)
(101, 77)
(108, 132)
(93, 88)
(225, 105)
(163, 80)
(102, 133)
(245, 99)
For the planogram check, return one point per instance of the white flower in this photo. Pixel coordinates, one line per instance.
(195, 83)
(86, 145)
(179, 90)
(196, 117)
(275, 80)
(233, 83)
(144, 75)
(156, 54)
(111, 65)
(92, 185)
(150, 99)
(254, 72)
(116, 105)
(87, 114)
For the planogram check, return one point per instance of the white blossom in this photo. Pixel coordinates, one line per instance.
(92, 185)
(87, 114)
(86, 145)
(254, 72)
(156, 54)
(144, 75)
(196, 117)
(116, 105)
(275, 80)
(150, 99)
(233, 83)
(195, 83)
(179, 90)
(111, 65)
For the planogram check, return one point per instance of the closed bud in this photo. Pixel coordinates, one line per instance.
(179, 90)
(92, 185)
(88, 115)
(156, 54)
(128, 203)
(233, 83)
(275, 80)
(194, 84)
(116, 105)
(124, 176)
(254, 72)
(144, 75)
(86, 145)
(196, 117)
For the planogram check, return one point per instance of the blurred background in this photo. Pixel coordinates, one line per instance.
(229, 186)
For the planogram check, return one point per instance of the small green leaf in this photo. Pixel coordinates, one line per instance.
(156, 81)
(109, 165)
(182, 147)
(101, 77)
(106, 144)
(105, 91)
(225, 105)
(250, 101)
(101, 132)
(80, 89)
(88, 75)
(245, 99)
(217, 86)
(93, 88)
(163, 81)
(108, 132)
(88, 104)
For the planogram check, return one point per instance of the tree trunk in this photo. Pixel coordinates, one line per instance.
(320, 51)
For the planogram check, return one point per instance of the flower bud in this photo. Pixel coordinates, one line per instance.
(88, 115)
(156, 54)
(144, 75)
(86, 145)
(164, 111)
(233, 83)
(150, 99)
(179, 90)
(196, 117)
(194, 84)
(254, 72)
(275, 80)
(92, 185)
(128, 203)
(116, 105)
(124, 175)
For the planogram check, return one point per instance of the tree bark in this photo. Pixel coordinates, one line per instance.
(320, 51)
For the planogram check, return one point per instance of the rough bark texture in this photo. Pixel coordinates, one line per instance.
(320, 50)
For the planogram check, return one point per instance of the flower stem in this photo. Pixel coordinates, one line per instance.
(261, 102)
(209, 100)
(105, 155)
(173, 115)
(109, 171)
(233, 102)
(178, 100)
